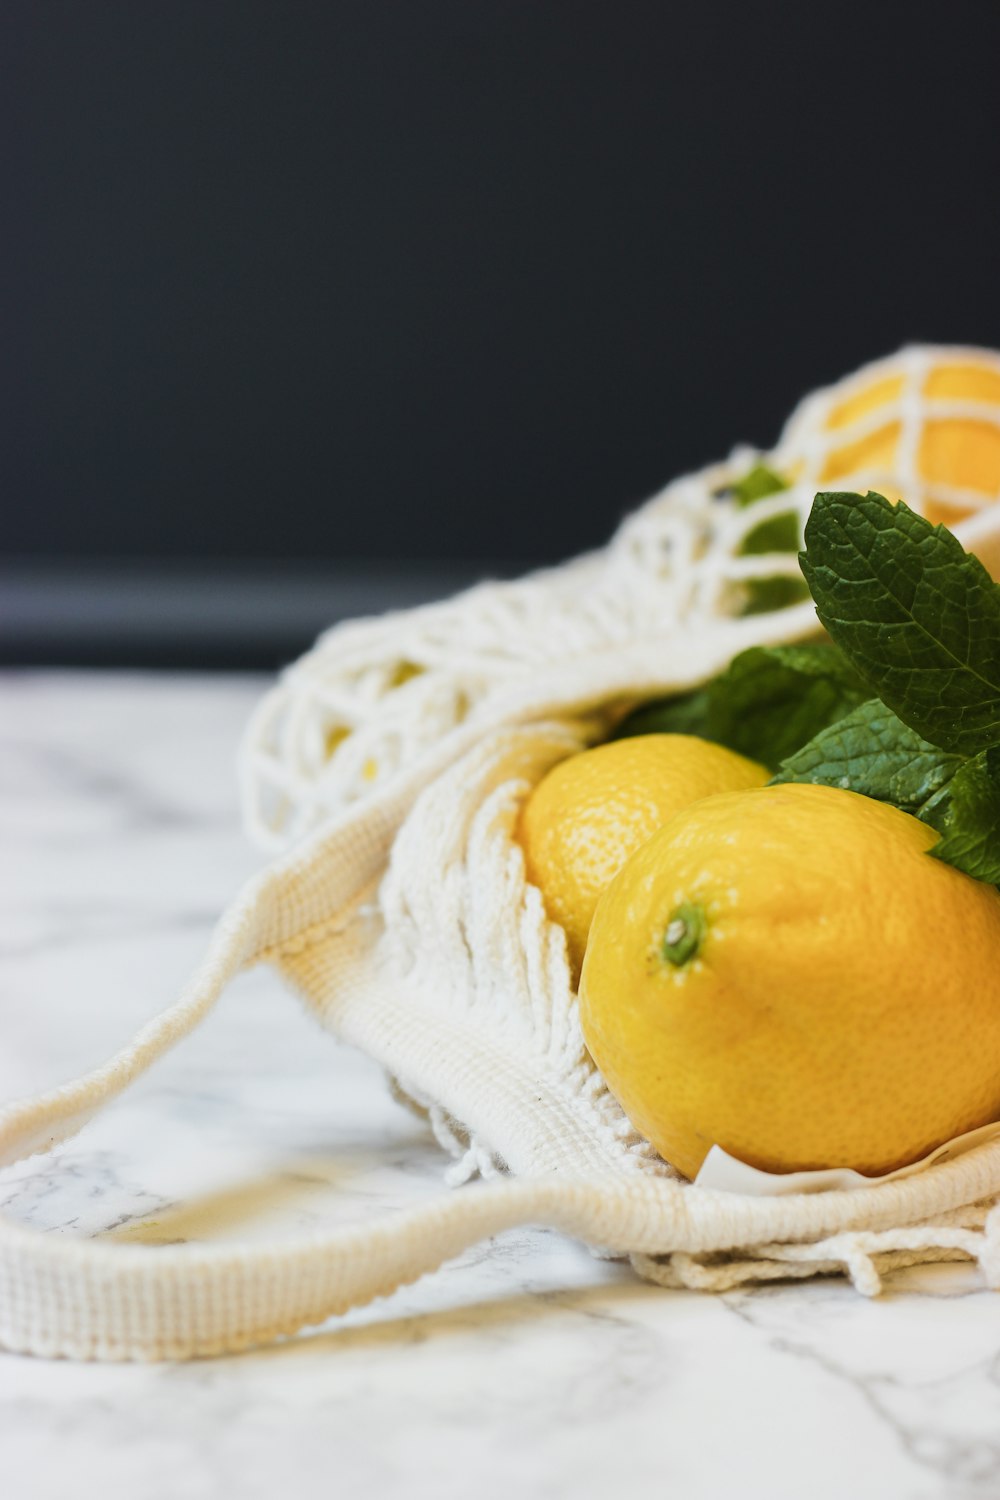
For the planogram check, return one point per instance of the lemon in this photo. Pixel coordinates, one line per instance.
(787, 974)
(582, 821)
(944, 420)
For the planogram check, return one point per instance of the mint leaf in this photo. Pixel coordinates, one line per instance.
(917, 615)
(771, 699)
(757, 484)
(874, 753)
(968, 817)
(767, 594)
(686, 714)
(768, 702)
(779, 533)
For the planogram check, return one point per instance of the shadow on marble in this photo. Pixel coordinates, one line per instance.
(504, 1317)
(310, 1192)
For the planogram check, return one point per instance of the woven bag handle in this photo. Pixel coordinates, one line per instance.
(88, 1299)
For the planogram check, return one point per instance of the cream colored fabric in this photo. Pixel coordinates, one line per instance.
(405, 922)
(380, 694)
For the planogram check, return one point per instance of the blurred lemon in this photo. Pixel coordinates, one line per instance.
(923, 426)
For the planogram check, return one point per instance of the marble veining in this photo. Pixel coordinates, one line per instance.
(526, 1367)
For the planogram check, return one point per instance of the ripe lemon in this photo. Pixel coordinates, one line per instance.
(786, 973)
(582, 821)
(896, 424)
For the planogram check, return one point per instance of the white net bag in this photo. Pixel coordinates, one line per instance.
(392, 761)
(375, 696)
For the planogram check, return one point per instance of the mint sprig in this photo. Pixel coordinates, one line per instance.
(874, 753)
(758, 483)
(917, 615)
(768, 702)
(780, 533)
(904, 706)
(967, 814)
(918, 618)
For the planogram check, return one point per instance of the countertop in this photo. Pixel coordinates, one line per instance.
(528, 1367)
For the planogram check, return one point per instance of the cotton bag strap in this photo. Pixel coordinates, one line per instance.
(93, 1300)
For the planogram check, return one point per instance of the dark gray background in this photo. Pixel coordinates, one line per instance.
(305, 302)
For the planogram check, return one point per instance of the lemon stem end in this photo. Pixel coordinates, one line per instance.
(683, 937)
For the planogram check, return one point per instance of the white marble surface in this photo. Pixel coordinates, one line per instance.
(525, 1369)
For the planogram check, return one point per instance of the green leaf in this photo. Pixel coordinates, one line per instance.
(757, 484)
(687, 714)
(771, 699)
(767, 594)
(779, 533)
(874, 753)
(768, 702)
(917, 615)
(968, 817)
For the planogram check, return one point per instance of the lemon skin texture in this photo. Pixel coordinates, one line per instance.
(590, 812)
(840, 1002)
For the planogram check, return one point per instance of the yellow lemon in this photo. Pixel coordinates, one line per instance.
(583, 820)
(925, 430)
(786, 973)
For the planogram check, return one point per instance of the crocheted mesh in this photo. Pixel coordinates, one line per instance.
(375, 695)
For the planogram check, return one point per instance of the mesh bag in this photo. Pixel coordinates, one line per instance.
(388, 767)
